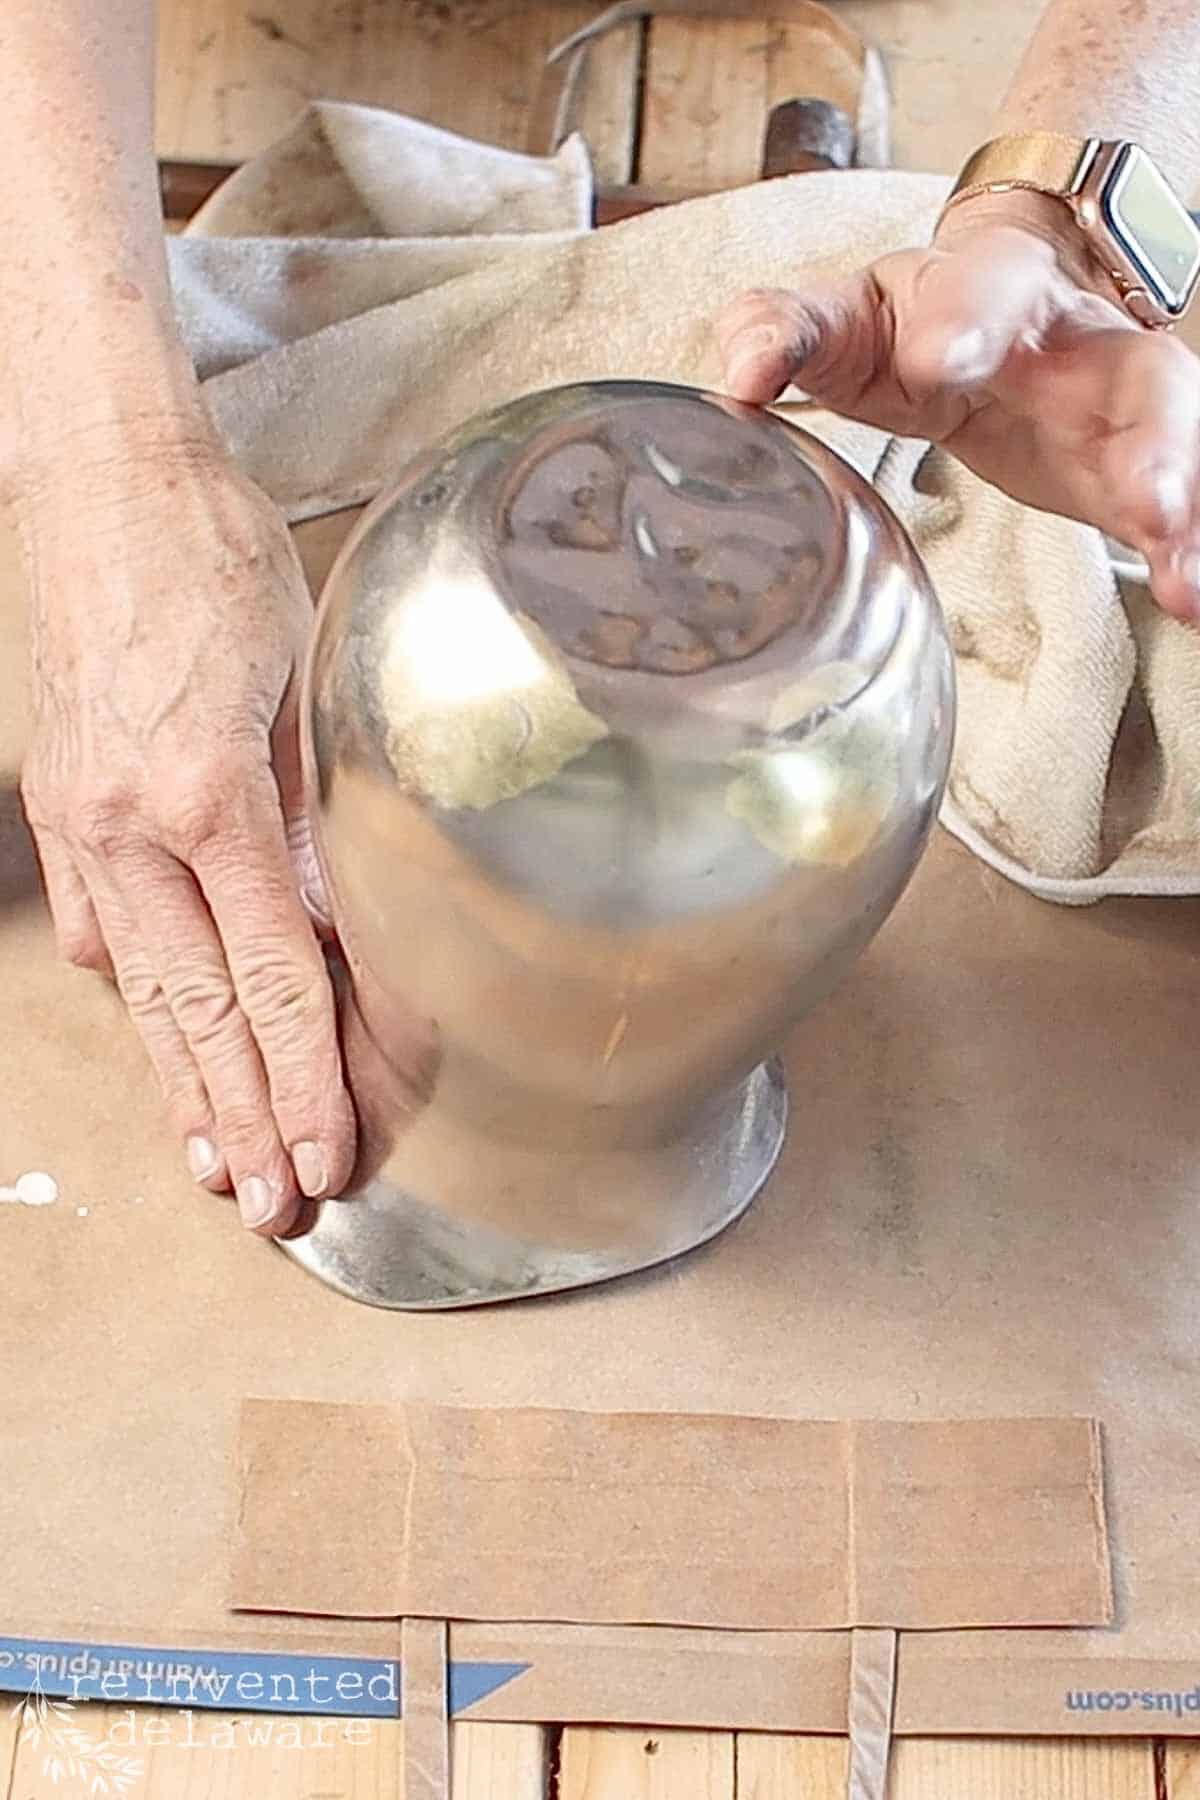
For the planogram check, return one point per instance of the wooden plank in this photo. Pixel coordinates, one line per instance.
(499, 1762)
(608, 1763)
(609, 115)
(175, 1754)
(710, 83)
(233, 74)
(225, 1756)
(10, 1726)
(1023, 1769)
(780, 1768)
(1182, 1767)
(171, 1754)
(800, 1768)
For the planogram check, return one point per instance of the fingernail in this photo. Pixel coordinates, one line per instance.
(748, 346)
(202, 1157)
(256, 1201)
(308, 1160)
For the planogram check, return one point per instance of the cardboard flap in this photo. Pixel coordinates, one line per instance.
(669, 1518)
(426, 1709)
(871, 1712)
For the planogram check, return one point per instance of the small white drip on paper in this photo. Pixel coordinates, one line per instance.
(34, 1188)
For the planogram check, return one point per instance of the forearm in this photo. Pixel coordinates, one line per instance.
(1116, 69)
(87, 338)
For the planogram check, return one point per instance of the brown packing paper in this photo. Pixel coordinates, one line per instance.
(751, 1523)
(986, 1208)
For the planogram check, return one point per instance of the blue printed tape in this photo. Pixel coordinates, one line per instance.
(341, 1686)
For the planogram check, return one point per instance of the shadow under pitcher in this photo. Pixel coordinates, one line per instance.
(627, 716)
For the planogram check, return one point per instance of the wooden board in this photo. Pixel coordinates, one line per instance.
(249, 1755)
(1181, 1767)
(227, 1756)
(1046, 1768)
(800, 1768)
(629, 1765)
(233, 74)
(608, 1764)
(709, 86)
(10, 1726)
(174, 1755)
(499, 1762)
(709, 83)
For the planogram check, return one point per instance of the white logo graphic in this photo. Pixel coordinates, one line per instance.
(70, 1754)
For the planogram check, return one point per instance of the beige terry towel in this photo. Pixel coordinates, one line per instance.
(371, 282)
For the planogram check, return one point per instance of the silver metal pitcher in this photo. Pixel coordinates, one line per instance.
(627, 716)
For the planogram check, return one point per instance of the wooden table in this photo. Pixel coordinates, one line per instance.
(254, 1761)
(680, 102)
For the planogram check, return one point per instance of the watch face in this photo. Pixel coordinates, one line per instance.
(1153, 229)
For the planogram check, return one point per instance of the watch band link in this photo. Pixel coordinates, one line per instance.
(1041, 160)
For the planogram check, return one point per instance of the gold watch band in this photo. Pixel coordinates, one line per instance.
(1131, 226)
(1041, 160)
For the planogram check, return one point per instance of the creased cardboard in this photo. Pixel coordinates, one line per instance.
(872, 1704)
(704, 1519)
(426, 1710)
(986, 1208)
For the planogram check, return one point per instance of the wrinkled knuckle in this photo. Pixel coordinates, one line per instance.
(102, 821)
(197, 809)
(204, 1004)
(141, 991)
(282, 997)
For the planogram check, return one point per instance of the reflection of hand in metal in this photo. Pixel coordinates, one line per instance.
(672, 553)
(393, 1069)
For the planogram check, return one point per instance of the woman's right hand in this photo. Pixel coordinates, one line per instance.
(1005, 344)
(170, 618)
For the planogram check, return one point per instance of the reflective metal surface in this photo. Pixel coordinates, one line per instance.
(627, 716)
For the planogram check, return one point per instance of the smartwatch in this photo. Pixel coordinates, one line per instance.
(1134, 224)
